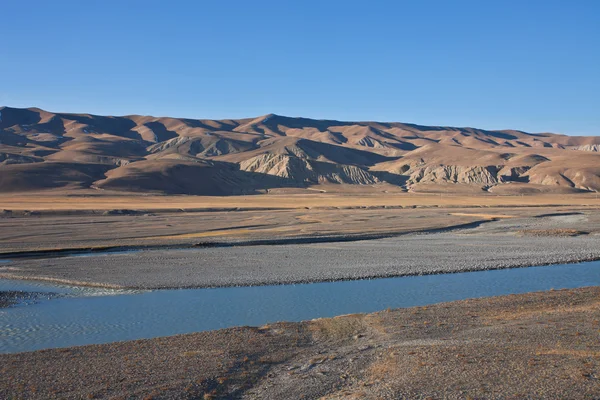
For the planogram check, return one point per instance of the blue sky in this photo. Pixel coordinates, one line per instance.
(528, 64)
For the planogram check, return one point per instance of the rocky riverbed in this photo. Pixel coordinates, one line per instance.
(257, 265)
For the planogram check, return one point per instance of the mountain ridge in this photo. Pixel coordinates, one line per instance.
(41, 149)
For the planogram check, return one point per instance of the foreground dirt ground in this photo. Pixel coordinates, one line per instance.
(538, 345)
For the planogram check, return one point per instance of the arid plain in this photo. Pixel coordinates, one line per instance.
(164, 203)
(279, 238)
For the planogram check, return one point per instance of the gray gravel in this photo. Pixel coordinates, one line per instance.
(258, 265)
(511, 226)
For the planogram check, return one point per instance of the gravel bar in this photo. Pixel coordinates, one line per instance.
(280, 264)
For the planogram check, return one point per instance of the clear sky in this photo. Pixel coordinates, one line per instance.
(527, 64)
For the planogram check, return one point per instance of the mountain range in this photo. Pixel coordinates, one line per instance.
(134, 153)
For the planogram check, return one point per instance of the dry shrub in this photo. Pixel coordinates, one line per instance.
(338, 328)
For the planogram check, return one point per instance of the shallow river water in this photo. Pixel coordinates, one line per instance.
(87, 316)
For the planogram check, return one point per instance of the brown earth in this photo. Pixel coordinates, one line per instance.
(538, 345)
(67, 220)
(45, 150)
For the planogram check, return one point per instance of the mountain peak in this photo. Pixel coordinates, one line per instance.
(267, 117)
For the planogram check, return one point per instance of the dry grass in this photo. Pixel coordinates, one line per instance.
(570, 352)
(529, 313)
(481, 215)
(389, 364)
(224, 232)
(38, 201)
(339, 328)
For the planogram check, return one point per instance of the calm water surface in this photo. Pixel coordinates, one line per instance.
(87, 316)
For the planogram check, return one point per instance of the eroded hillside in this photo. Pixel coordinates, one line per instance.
(40, 149)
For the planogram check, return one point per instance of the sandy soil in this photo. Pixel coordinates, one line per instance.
(539, 345)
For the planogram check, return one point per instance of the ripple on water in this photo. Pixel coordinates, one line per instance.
(100, 318)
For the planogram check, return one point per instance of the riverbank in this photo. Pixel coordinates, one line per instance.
(534, 345)
(267, 265)
(180, 248)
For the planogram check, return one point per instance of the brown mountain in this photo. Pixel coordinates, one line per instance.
(40, 150)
